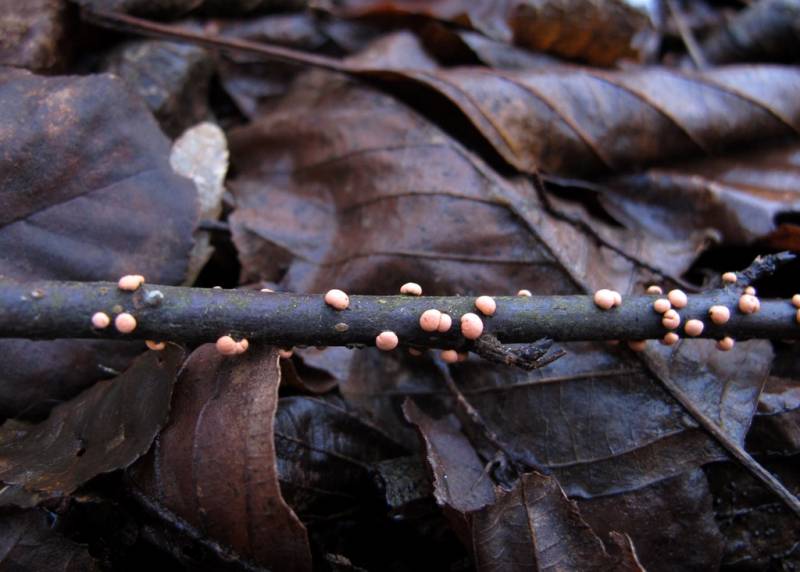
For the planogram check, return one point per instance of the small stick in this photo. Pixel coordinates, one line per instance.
(51, 310)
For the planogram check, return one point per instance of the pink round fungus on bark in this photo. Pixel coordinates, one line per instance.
(694, 328)
(125, 323)
(445, 321)
(130, 282)
(719, 314)
(449, 356)
(155, 346)
(671, 319)
(337, 299)
(655, 290)
(411, 289)
(678, 298)
(486, 305)
(725, 344)
(471, 326)
(100, 320)
(604, 299)
(637, 345)
(748, 304)
(226, 345)
(729, 278)
(429, 320)
(526, 293)
(386, 341)
(670, 339)
(661, 305)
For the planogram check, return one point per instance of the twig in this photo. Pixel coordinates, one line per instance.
(50, 310)
(695, 52)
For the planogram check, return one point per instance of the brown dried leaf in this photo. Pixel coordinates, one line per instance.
(214, 465)
(536, 527)
(325, 455)
(105, 428)
(764, 31)
(325, 176)
(737, 196)
(671, 523)
(28, 542)
(32, 33)
(316, 371)
(600, 32)
(760, 533)
(575, 121)
(86, 193)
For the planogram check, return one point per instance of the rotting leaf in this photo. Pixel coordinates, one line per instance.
(214, 465)
(28, 542)
(760, 533)
(671, 523)
(461, 482)
(290, 214)
(536, 527)
(316, 371)
(32, 33)
(579, 121)
(86, 193)
(105, 428)
(600, 32)
(325, 456)
(737, 196)
(462, 485)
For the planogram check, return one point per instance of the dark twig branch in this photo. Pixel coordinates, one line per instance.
(49, 310)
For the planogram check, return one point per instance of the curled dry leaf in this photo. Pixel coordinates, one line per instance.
(579, 121)
(462, 485)
(86, 193)
(600, 32)
(32, 33)
(695, 543)
(214, 465)
(316, 371)
(327, 216)
(324, 457)
(536, 527)
(739, 196)
(764, 31)
(759, 533)
(29, 542)
(105, 428)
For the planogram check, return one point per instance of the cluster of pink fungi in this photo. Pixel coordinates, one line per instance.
(671, 319)
(471, 324)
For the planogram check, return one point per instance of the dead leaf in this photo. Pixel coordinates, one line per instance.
(738, 196)
(763, 31)
(316, 371)
(325, 456)
(28, 542)
(292, 223)
(760, 533)
(105, 428)
(579, 121)
(600, 32)
(32, 34)
(215, 464)
(86, 193)
(536, 527)
(671, 523)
